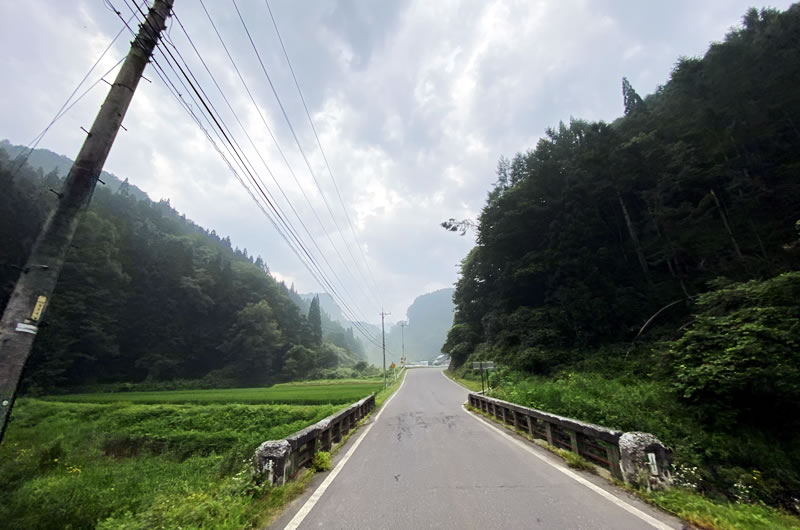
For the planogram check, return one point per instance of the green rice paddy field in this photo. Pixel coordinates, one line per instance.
(136, 460)
(306, 393)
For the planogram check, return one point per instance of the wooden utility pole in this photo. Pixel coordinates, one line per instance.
(383, 342)
(31, 295)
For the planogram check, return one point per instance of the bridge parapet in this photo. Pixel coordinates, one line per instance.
(277, 461)
(641, 459)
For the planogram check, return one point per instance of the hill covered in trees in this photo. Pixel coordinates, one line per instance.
(148, 295)
(663, 248)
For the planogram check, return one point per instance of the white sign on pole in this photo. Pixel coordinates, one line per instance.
(483, 365)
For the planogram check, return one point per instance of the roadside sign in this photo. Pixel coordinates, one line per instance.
(483, 366)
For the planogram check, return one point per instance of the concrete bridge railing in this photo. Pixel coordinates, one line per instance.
(277, 461)
(636, 458)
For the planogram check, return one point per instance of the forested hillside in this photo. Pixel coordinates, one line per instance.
(586, 236)
(147, 295)
(335, 329)
(680, 215)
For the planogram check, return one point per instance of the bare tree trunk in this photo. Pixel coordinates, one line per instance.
(758, 238)
(673, 269)
(634, 238)
(727, 226)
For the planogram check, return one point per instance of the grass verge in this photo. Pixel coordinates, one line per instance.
(471, 384)
(384, 394)
(711, 515)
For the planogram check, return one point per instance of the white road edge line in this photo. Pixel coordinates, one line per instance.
(652, 521)
(317, 495)
(459, 385)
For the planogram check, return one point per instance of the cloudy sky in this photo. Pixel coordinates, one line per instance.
(414, 102)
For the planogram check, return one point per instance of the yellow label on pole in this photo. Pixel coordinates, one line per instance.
(38, 308)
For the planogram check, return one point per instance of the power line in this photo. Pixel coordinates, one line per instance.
(319, 276)
(294, 134)
(319, 143)
(252, 143)
(274, 139)
(233, 148)
(329, 285)
(64, 109)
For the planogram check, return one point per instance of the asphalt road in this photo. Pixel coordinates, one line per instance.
(427, 463)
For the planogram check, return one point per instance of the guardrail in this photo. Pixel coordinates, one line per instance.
(599, 445)
(279, 460)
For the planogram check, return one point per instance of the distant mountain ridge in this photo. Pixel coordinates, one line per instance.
(429, 319)
(48, 161)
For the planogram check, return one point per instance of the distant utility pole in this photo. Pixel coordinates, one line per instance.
(383, 340)
(403, 337)
(20, 321)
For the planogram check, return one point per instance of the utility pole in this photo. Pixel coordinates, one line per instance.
(403, 337)
(383, 341)
(31, 295)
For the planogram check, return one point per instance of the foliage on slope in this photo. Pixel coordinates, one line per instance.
(146, 294)
(586, 236)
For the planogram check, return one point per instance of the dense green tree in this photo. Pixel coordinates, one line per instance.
(299, 362)
(145, 294)
(600, 226)
(329, 355)
(253, 349)
(739, 360)
(315, 322)
(631, 100)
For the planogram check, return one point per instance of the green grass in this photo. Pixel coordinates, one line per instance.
(384, 393)
(321, 461)
(709, 515)
(160, 459)
(304, 393)
(469, 382)
(125, 465)
(376, 380)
